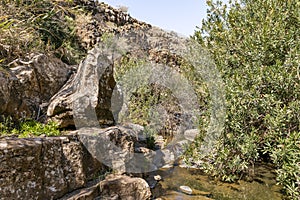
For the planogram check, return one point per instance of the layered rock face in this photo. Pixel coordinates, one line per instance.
(44, 168)
(52, 168)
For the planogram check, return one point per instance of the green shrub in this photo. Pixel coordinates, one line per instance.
(27, 128)
(255, 45)
(286, 156)
(32, 128)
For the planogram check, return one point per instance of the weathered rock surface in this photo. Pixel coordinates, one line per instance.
(50, 168)
(25, 86)
(44, 168)
(41, 77)
(120, 187)
(124, 187)
(113, 146)
(11, 100)
(87, 93)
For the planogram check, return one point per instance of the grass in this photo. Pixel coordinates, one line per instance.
(27, 128)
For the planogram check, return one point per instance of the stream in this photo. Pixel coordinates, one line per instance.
(262, 187)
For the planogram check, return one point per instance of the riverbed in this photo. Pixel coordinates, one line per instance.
(262, 187)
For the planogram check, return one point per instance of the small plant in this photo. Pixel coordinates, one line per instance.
(32, 128)
(6, 125)
(27, 128)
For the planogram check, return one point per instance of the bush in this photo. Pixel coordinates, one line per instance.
(255, 45)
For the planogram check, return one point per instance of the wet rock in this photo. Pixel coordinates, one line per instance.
(124, 187)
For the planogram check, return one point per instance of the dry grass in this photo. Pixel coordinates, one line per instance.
(38, 26)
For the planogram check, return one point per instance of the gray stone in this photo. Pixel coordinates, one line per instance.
(124, 187)
(86, 94)
(26, 86)
(44, 168)
(186, 189)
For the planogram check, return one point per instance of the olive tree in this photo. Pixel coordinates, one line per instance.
(255, 45)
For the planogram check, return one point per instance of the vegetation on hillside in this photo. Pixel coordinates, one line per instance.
(255, 45)
(42, 26)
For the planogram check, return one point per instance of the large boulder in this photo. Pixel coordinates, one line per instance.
(87, 93)
(124, 187)
(44, 168)
(113, 146)
(26, 87)
(114, 186)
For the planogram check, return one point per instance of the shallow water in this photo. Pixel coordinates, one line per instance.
(263, 186)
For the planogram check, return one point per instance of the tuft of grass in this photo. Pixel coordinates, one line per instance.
(27, 128)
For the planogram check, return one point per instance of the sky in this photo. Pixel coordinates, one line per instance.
(181, 16)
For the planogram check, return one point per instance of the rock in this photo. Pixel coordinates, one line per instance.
(185, 189)
(167, 166)
(157, 177)
(26, 86)
(41, 77)
(191, 134)
(138, 129)
(143, 150)
(89, 92)
(90, 192)
(12, 103)
(159, 142)
(113, 146)
(157, 191)
(124, 187)
(44, 168)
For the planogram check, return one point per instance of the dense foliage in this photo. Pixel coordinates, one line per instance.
(256, 47)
